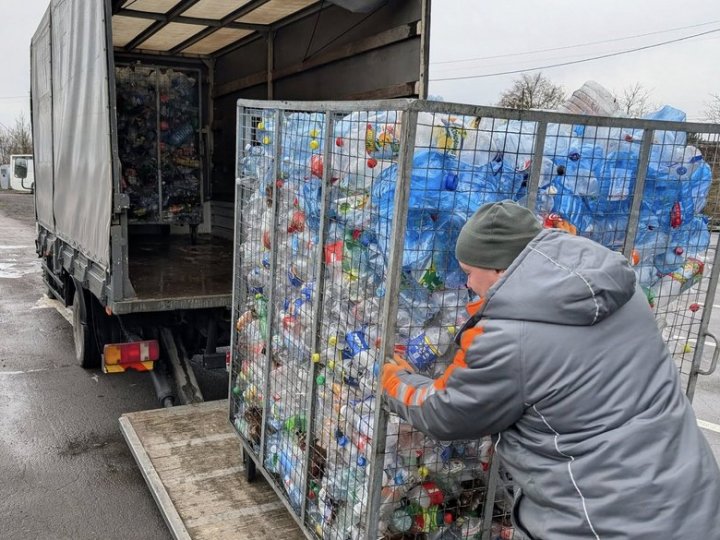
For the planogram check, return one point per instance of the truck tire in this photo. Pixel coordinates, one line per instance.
(86, 349)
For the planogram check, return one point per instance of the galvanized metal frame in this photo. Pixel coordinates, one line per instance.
(410, 110)
(390, 306)
(533, 184)
(695, 369)
(637, 193)
(277, 137)
(311, 390)
(237, 233)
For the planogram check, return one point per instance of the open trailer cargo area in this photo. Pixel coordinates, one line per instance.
(134, 123)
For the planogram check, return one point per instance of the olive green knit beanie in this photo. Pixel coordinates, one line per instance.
(495, 235)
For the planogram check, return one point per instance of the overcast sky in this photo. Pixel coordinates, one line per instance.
(682, 74)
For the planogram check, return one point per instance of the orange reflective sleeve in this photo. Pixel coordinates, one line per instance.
(468, 336)
(473, 307)
(389, 379)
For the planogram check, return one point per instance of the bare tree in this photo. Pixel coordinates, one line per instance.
(635, 100)
(712, 109)
(532, 92)
(16, 139)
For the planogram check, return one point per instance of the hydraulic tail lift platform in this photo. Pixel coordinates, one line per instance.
(192, 462)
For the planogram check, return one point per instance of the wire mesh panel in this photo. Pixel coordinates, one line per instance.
(348, 215)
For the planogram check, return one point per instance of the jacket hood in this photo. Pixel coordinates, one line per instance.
(562, 279)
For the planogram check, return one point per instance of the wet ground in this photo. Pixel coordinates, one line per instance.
(65, 470)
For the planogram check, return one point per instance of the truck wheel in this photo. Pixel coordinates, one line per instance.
(86, 350)
(250, 469)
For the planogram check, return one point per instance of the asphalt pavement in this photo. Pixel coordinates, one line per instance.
(65, 470)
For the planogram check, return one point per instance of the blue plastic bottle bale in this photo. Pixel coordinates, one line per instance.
(572, 207)
(610, 230)
(694, 190)
(693, 237)
(616, 182)
(514, 142)
(670, 114)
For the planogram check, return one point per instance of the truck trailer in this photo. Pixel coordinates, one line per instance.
(134, 133)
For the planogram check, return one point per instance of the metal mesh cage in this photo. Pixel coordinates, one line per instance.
(158, 141)
(347, 217)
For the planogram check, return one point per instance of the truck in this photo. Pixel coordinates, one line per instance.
(21, 173)
(133, 121)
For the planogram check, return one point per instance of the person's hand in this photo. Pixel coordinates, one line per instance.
(389, 374)
(398, 360)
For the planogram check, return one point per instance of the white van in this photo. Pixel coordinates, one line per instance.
(18, 183)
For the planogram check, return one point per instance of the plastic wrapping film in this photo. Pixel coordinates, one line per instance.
(41, 86)
(158, 126)
(82, 166)
(315, 235)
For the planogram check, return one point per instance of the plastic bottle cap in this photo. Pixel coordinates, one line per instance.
(314, 145)
(423, 471)
(332, 340)
(320, 380)
(266, 140)
(261, 125)
(331, 364)
(314, 133)
(315, 358)
(361, 461)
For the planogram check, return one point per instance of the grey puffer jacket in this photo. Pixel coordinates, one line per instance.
(565, 363)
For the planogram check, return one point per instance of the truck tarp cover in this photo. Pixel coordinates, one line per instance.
(81, 163)
(41, 85)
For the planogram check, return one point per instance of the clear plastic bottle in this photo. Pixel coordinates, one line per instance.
(360, 416)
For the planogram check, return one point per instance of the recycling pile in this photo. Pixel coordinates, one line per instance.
(327, 347)
(158, 119)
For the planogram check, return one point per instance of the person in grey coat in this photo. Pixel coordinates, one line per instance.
(562, 360)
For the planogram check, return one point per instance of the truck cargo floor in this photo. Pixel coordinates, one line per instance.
(191, 460)
(171, 267)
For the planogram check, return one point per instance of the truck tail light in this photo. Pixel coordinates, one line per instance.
(137, 355)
